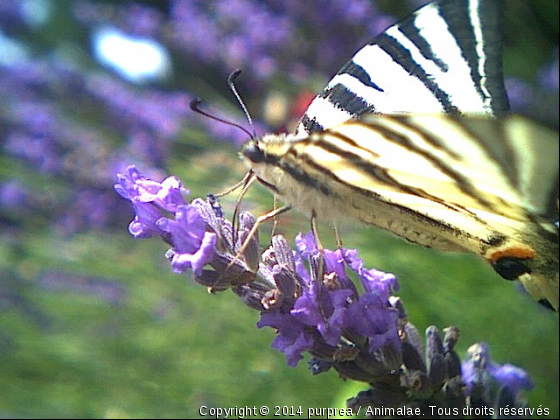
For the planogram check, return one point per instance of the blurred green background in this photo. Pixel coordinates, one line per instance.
(92, 322)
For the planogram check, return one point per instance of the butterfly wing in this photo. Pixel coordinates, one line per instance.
(444, 58)
(485, 185)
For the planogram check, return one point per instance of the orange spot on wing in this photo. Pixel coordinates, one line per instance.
(513, 252)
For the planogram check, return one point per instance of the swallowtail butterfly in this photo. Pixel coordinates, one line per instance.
(413, 135)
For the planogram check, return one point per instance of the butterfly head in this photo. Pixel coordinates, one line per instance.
(253, 153)
(266, 158)
(265, 151)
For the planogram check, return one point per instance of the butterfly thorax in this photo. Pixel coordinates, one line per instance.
(277, 164)
(286, 165)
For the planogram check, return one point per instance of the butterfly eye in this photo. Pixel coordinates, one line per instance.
(253, 152)
(511, 268)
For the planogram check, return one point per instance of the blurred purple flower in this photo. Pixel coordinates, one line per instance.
(512, 377)
(479, 371)
(12, 14)
(520, 94)
(142, 20)
(109, 291)
(231, 32)
(549, 74)
(273, 35)
(13, 195)
(37, 150)
(160, 113)
(135, 19)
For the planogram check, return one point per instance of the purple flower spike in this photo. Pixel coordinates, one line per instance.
(512, 377)
(145, 224)
(374, 281)
(372, 317)
(292, 338)
(193, 247)
(306, 245)
(323, 309)
(148, 198)
(134, 186)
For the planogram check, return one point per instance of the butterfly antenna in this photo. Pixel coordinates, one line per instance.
(231, 83)
(195, 106)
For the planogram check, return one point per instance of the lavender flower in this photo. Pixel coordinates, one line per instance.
(479, 371)
(191, 229)
(150, 199)
(71, 127)
(309, 299)
(109, 291)
(13, 195)
(312, 311)
(192, 246)
(549, 75)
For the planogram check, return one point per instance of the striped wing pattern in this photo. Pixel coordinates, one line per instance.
(502, 171)
(444, 58)
(477, 184)
(413, 135)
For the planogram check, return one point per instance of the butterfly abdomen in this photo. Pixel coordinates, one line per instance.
(532, 259)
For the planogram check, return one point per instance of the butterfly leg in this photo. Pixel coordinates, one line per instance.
(243, 181)
(321, 265)
(261, 219)
(337, 235)
(247, 182)
(275, 222)
(320, 248)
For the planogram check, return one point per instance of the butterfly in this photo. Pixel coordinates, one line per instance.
(413, 135)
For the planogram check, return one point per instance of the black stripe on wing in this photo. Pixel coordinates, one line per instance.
(460, 24)
(310, 125)
(359, 73)
(403, 58)
(343, 98)
(477, 32)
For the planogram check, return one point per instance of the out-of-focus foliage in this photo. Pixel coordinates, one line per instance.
(93, 323)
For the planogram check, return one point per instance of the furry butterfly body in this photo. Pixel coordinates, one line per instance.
(410, 175)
